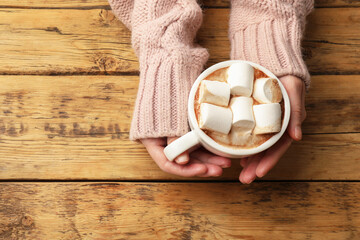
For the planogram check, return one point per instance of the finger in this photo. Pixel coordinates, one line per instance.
(243, 162)
(248, 174)
(296, 111)
(189, 170)
(213, 170)
(303, 103)
(207, 157)
(294, 87)
(153, 141)
(182, 158)
(273, 155)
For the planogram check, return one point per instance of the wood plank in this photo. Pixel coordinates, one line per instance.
(105, 157)
(39, 101)
(104, 3)
(52, 41)
(93, 41)
(179, 211)
(75, 127)
(104, 100)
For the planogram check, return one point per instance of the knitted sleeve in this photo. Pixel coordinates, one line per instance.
(163, 32)
(269, 32)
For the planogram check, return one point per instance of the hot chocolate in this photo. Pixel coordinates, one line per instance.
(239, 106)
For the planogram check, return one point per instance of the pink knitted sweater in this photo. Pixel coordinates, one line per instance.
(267, 32)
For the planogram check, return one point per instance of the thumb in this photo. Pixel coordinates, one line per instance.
(295, 89)
(183, 158)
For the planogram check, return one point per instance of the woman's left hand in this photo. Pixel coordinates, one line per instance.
(260, 164)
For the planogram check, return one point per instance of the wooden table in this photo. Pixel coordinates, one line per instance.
(68, 171)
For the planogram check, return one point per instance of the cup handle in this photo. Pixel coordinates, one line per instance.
(180, 145)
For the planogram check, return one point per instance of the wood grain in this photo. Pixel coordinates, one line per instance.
(76, 127)
(104, 3)
(332, 104)
(179, 211)
(328, 28)
(52, 41)
(93, 41)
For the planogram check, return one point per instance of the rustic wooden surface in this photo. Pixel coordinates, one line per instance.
(180, 211)
(68, 80)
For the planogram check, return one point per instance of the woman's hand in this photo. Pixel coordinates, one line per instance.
(260, 164)
(198, 163)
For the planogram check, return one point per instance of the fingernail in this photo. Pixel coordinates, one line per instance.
(226, 166)
(250, 180)
(181, 159)
(261, 174)
(298, 134)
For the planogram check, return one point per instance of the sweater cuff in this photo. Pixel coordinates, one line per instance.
(165, 82)
(274, 44)
(122, 9)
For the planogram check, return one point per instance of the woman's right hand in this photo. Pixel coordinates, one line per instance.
(200, 162)
(260, 164)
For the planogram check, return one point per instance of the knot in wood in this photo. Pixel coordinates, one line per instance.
(27, 221)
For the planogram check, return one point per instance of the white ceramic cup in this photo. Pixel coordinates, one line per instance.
(197, 137)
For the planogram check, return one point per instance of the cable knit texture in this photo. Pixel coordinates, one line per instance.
(269, 32)
(163, 33)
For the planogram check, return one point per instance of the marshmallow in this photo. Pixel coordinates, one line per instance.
(243, 117)
(267, 118)
(215, 118)
(267, 90)
(214, 92)
(241, 78)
